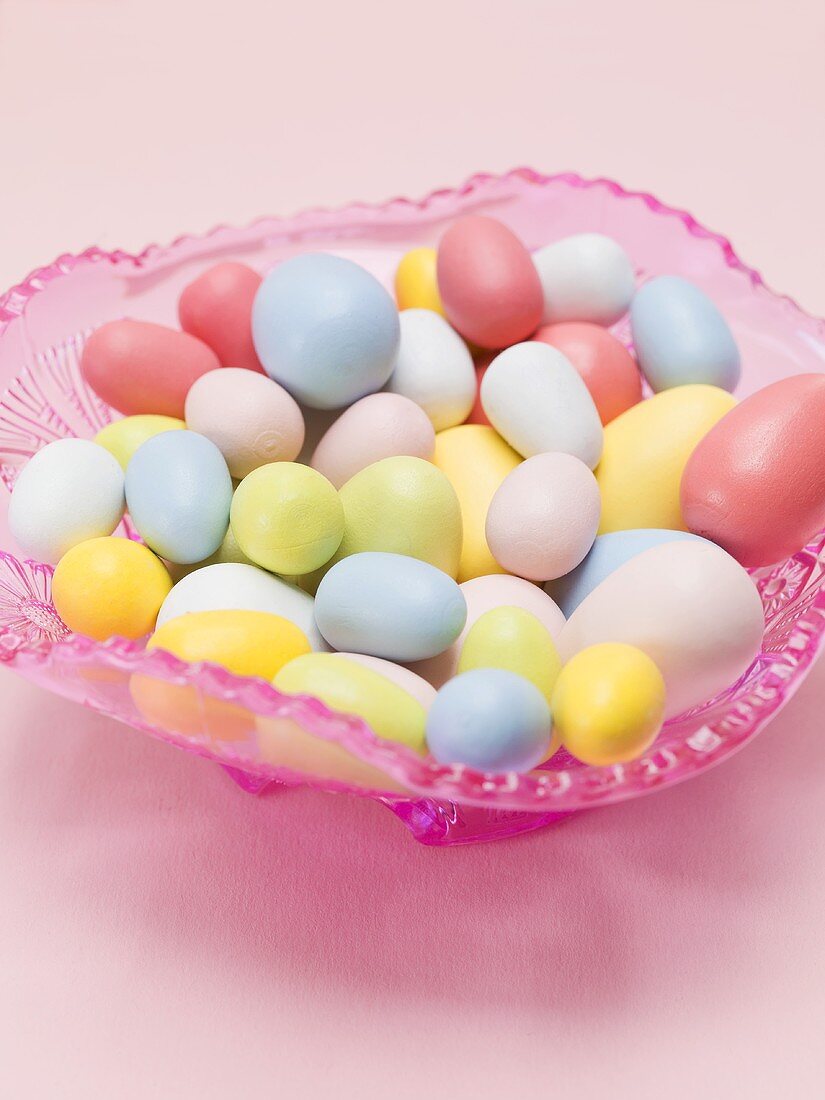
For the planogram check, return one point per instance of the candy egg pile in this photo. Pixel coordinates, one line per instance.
(496, 547)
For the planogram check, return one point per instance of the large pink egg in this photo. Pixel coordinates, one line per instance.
(756, 483)
(607, 367)
(483, 594)
(378, 426)
(140, 367)
(544, 517)
(217, 308)
(250, 419)
(488, 282)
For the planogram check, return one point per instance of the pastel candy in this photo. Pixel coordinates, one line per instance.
(390, 606)
(217, 308)
(434, 368)
(416, 281)
(607, 367)
(756, 482)
(408, 681)
(681, 337)
(587, 277)
(122, 437)
(512, 638)
(325, 329)
(537, 401)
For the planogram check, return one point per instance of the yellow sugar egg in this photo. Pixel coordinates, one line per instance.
(608, 704)
(110, 586)
(416, 285)
(122, 438)
(513, 639)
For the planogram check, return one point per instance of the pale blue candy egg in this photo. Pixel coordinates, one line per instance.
(178, 493)
(325, 329)
(680, 336)
(607, 554)
(489, 719)
(389, 605)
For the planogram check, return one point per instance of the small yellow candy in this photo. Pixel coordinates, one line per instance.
(110, 586)
(416, 285)
(122, 438)
(608, 704)
(476, 460)
(353, 689)
(287, 518)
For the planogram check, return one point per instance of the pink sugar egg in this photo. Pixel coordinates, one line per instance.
(544, 517)
(140, 367)
(250, 419)
(755, 484)
(414, 685)
(217, 308)
(488, 282)
(378, 426)
(607, 367)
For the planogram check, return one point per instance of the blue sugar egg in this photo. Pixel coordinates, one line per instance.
(178, 493)
(681, 337)
(325, 329)
(607, 554)
(489, 719)
(390, 606)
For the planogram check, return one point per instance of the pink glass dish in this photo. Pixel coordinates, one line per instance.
(263, 738)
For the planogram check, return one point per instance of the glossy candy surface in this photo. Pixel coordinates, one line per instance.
(587, 277)
(607, 367)
(217, 308)
(434, 368)
(122, 438)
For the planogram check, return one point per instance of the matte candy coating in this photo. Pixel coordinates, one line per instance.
(756, 482)
(536, 400)
(250, 419)
(69, 491)
(491, 720)
(544, 516)
(587, 277)
(414, 685)
(476, 461)
(512, 638)
(689, 606)
(217, 308)
(680, 336)
(606, 555)
(488, 283)
(378, 426)
(326, 329)
(416, 281)
(122, 438)
(109, 587)
(346, 686)
(645, 453)
(607, 367)
(390, 606)
(434, 368)
(287, 518)
(141, 367)
(178, 493)
(608, 704)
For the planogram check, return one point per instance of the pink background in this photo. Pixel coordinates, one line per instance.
(162, 934)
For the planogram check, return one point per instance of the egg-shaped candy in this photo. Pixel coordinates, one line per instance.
(287, 518)
(110, 586)
(217, 308)
(608, 704)
(544, 516)
(416, 281)
(688, 605)
(607, 367)
(605, 556)
(380, 425)
(476, 461)
(325, 329)
(250, 419)
(346, 686)
(414, 685)
(756, 483)
(587, 277)
(536, 399)
(390, 606)
(434, 368)
(645, 453)
(489, 286)
(681, 337)
(178, 493)
(122, 437)
(69, 491)
(489, 719)
(140, 367)
(510, 637)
